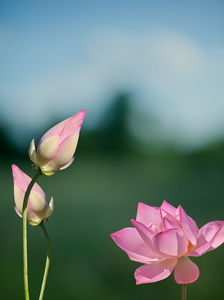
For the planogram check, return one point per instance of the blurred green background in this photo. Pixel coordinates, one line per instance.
(98, 195)
(150, 76)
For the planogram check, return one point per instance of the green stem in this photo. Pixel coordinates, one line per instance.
(47, 261)
(24, 216)
(184, 291)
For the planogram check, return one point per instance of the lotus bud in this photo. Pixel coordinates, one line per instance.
(57, 146)
(37, 208)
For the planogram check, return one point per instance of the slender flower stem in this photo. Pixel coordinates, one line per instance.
(24, 215)
(47, 261)
(184, 291)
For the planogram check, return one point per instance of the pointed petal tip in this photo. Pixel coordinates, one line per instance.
(113, 235)
(14, 168)
(82, 114)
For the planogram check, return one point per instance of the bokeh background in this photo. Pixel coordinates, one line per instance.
(150, 75)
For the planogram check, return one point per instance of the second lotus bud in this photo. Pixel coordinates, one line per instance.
(37, 208)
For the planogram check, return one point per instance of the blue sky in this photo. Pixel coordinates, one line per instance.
(58, 57)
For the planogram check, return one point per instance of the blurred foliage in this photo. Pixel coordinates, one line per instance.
(97, 195)
(6, 148)
(112, 135)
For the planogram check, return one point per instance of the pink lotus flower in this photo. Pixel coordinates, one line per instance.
(163, 238)
(57, 146)
(37, 209)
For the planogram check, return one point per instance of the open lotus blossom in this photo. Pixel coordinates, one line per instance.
(57, 146)
(163, 238)
(37, 208)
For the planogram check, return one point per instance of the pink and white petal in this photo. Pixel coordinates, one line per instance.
(171, 243)
(147, 234)
(219, 238)
(18, 197)
(155, 271)
(20, 178)
(32, 152)
(72, 125)
(18, 213)
(130, 241)
(185, 271)
(39, 190)
(37, 204)
(30, 214)
(66, 127)
(22, 181)
(64, 153)
(54, 131)
(189, 226)
(50, 208)
(149, 215)
(68, 164)
(206, 237)
(46, 150)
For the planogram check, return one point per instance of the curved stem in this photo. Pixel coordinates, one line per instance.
(47, 261)
(184, 291)
(24, 216)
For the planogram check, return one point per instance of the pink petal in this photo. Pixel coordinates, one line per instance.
(36, 207)
(168, 209)
(65, 128)
(185, 271)
(147, 214)
(130, 241)
(68, 164)
(171, 243)
(73, 125)
(19, 197)
(219, 238)
(189, 226)
(147, 234)
(64, 154)
(22, 181)
(167, 224)
(206, 237)
(155, 271)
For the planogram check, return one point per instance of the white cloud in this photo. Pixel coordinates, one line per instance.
(180, 80)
